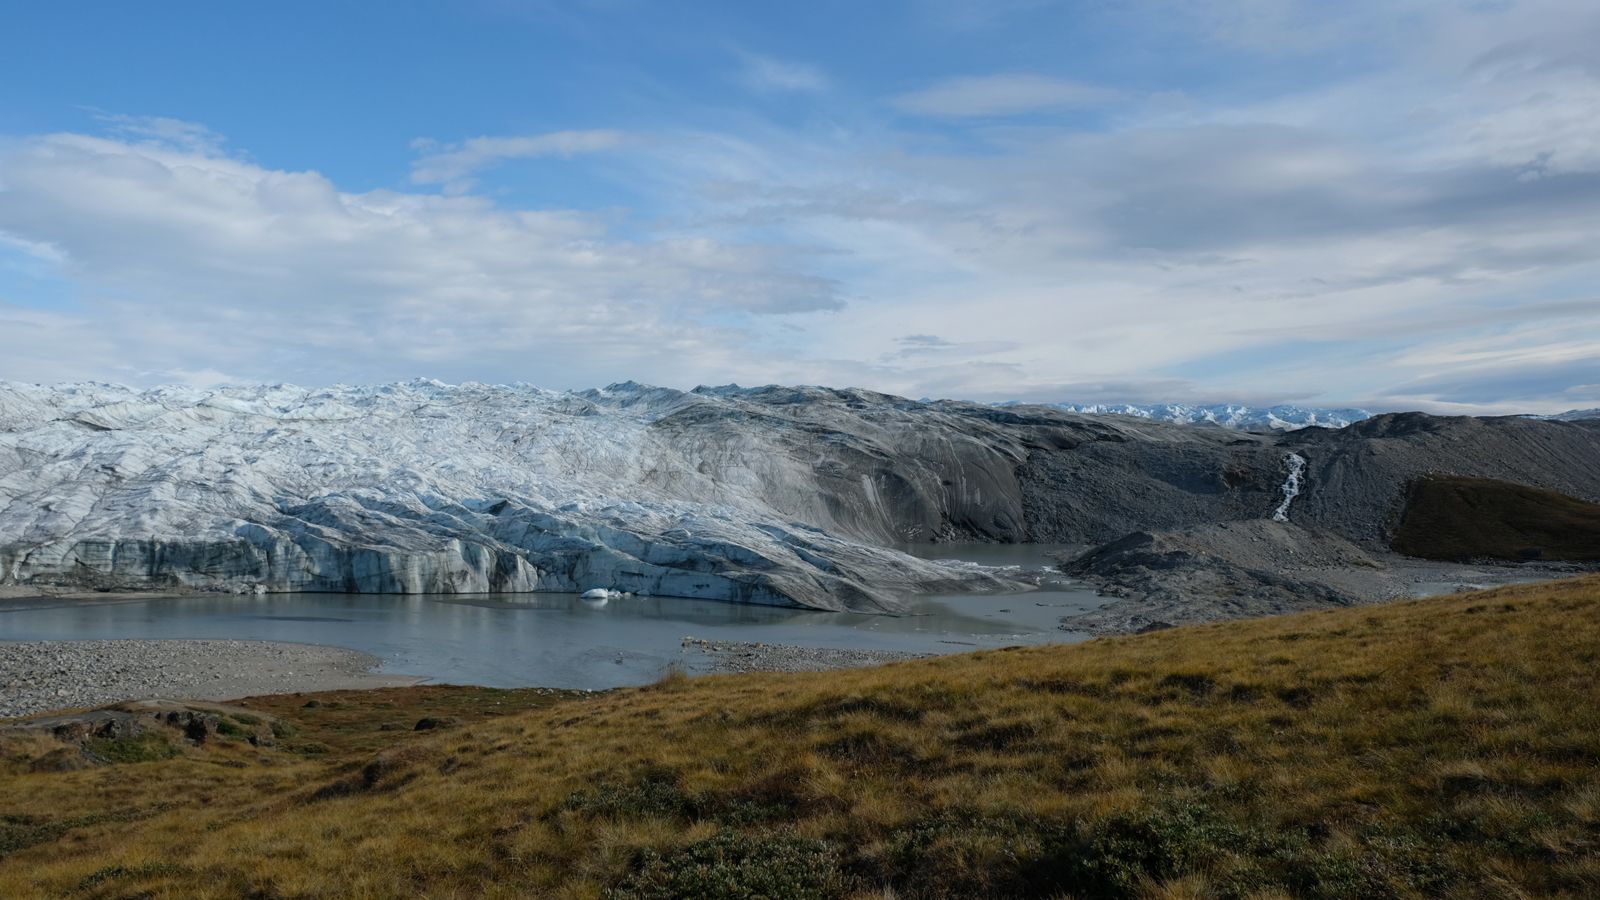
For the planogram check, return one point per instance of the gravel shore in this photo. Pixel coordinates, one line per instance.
(743, 656)
(36, 676)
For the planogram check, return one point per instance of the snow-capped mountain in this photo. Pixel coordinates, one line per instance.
(1573, 415)
(1243, 418)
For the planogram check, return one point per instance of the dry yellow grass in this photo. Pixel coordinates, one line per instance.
(1448, 746)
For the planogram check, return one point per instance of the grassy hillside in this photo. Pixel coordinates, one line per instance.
(1456, 518)
(1444, 747)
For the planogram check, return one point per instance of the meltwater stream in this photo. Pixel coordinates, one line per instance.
(560, 640)
(1291, 486)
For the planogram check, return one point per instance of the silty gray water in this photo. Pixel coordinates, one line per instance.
(560, 640)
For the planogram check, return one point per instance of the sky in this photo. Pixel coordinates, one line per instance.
(1385, 203)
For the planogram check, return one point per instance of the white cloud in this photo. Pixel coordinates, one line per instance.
(453, 165)
(186, 262)
(1521, 111)
(35, 250)
(164, 131)
(967, 15)
(1219, 251)
(1421, 230)
(764, 73)
(1002, 95)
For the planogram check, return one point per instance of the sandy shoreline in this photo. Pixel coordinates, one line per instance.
(47, 676)
(39, 676)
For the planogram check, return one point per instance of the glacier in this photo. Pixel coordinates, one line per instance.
(768, 495)
(425, 487)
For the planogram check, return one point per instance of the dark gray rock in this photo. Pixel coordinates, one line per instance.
(1355, 477)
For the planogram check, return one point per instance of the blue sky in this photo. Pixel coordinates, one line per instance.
(1394, 204)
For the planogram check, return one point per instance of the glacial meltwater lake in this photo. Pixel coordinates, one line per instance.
(559, 640)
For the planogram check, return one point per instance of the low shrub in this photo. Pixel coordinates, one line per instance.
(735, 866)
(147, 747)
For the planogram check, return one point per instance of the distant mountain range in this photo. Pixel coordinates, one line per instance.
(1222, 415)
(1573, 415)
(1252, 418)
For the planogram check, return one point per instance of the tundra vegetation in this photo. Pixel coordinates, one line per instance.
(1439, 747)
(1456, 518)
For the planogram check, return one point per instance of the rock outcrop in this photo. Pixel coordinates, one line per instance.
(1222, 571)
(1356, 476)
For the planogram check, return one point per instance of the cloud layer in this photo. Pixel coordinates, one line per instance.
(453, 165)
(1421, 230)
(188, 261)
(765, 73)
(1002, 95)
